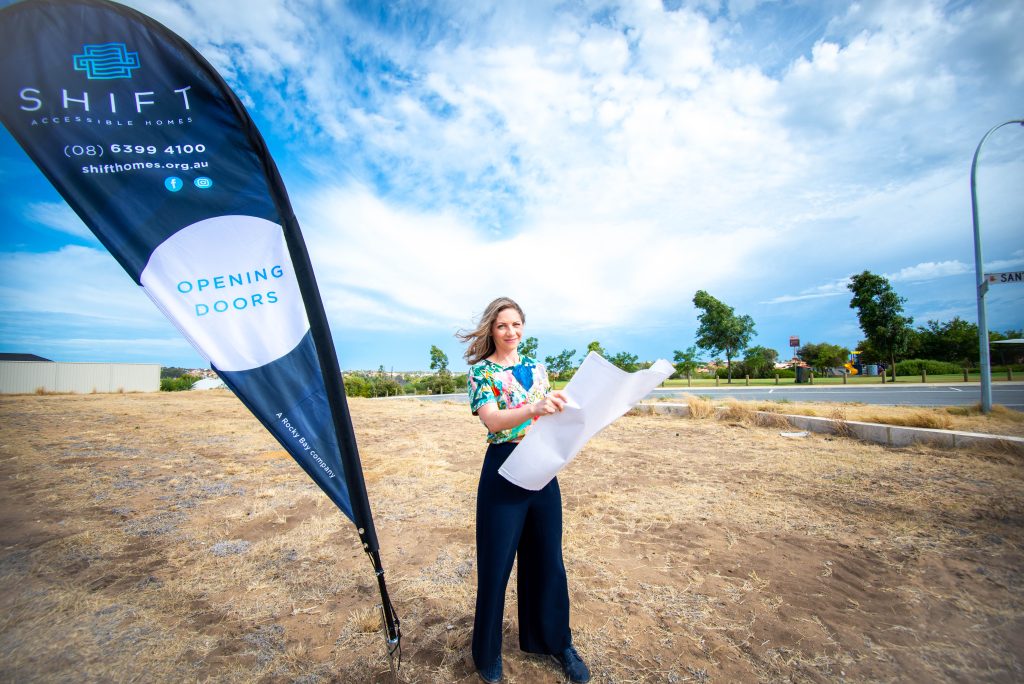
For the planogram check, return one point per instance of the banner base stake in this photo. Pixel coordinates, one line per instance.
(393, 647)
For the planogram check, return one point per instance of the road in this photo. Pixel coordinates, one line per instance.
(1009, 394)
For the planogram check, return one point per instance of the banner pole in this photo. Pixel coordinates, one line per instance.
(392, 628)
(330, 370)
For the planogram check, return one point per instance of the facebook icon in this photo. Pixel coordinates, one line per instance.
(173, 183)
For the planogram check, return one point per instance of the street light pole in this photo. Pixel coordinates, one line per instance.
(982, 283)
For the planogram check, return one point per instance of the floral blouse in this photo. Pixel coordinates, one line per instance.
(509, 387)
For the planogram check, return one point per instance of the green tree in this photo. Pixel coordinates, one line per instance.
(560, 364)
(356, 386)
(868, 353)
(595, 346)
(720, 329)
(955, 341)
(442, 382)
(880, 312)
(383, 385)
(626, 361)
(821, 357)
(528, 347)
(686, 360)
(438, 359)
(172, 371)
(1006, 335)
(759, 362)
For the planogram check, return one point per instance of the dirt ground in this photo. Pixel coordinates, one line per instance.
(168, 538)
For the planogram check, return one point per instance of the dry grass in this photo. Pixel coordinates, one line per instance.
(166, 537)
(700, 408)
(1001, 421)
(922, 418)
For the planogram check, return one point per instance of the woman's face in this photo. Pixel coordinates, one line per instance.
(507, 331)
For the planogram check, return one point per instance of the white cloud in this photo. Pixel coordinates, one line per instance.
(79, 281)
(124, 349)
(879, 75)
(929, 270)
(58, 216)
(918, 273)
(384, 266)
(832, 289)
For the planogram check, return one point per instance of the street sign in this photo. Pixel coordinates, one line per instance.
(1010, 277)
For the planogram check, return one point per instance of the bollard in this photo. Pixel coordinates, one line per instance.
(747, 379)
(716, 379)
(924, 375)
(776, 378)
(965, 375)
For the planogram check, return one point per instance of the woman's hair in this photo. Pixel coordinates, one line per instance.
(481, 344)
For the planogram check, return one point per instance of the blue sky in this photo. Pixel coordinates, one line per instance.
(597, 161)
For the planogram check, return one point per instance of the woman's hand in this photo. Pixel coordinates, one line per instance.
(497, 419)
(553, 402)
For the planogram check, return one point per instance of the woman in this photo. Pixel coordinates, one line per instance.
(509, 392)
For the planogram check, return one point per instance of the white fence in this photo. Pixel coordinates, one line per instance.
(29, 377)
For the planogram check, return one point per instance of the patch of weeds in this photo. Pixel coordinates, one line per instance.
(230, 548)
(87, 452)
(150, 581)
(220, 489)
(700, 676)
(110, 628)
(161, 523)
(15, 563)
(126, 483)
(446, 571)
(312, 678)
(268, 642)
(125, 451)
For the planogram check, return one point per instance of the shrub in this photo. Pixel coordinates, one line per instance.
(356, 386)
(914, 367)
(1017, 368)
(179, 384)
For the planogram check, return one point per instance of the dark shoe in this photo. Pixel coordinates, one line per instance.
(492, 674)
(573, 666)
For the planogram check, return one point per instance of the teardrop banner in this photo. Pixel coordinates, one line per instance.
(159, 158)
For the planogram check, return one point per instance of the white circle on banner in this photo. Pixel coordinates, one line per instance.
(227, 283)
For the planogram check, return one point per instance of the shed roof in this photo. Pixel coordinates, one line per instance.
(7, 356)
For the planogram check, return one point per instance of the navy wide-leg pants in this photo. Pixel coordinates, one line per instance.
(511, 520)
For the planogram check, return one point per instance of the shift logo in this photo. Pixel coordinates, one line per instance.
(106, 61)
